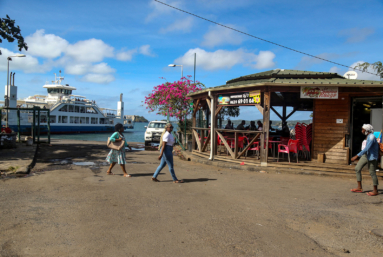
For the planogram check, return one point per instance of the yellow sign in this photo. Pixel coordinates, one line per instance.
(256, 95)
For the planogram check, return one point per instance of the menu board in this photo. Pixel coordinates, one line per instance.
(314, 92)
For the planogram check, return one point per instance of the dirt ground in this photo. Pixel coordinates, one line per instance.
(63, 209)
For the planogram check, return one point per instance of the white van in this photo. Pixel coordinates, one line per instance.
(153, 132)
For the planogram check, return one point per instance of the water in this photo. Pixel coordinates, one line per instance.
(131, 135)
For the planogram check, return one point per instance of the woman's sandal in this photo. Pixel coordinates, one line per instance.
(155, 180)
(178, 181)
(109, 173)
(127, 175)
(357, 190)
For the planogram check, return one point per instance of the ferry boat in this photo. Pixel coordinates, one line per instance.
(69, 113)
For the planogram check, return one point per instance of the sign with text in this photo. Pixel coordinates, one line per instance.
(315, 92)
(256, 95)
(242, 98)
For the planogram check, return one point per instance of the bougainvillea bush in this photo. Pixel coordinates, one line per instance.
(172, 98)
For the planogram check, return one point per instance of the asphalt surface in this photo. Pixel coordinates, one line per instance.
(63, 209)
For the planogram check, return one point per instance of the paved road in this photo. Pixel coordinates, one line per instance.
(69, 210)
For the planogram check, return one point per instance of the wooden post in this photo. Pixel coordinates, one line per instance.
(194, 121)
(201, 135)
(266, 128)
(38, 124)
(18, 124)
(34, 125)
(49, 126)
(235, 145)
(213, 136)
(214, 126)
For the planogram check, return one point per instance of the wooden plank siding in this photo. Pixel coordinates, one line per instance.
(328, 136)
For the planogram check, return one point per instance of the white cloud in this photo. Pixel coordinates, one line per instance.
(45, 45)
(160, 9)
(83, 58)
(83, 68)
(98, 78)
(223, 59)
(126, 55)
(91, 50)
(218, 35)
(183, 25)
(336, 69)
(28, 64)
(145, 50)
(363, 75)
(356, 35)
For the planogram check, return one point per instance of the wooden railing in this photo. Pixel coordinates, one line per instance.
(200, 138)
(236, 154)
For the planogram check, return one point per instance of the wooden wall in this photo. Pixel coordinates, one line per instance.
(328, 136)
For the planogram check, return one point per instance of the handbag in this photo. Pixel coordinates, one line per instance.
(115, 145)
(380, 145)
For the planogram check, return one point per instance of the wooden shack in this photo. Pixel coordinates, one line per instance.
(340, 107)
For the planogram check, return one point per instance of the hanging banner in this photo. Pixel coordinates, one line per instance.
(242, 98)
(315, 92)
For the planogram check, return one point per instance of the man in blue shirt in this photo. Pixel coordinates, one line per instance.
(369, 155)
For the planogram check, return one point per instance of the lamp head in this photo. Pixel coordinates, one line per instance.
(172, 65)
(17, 55)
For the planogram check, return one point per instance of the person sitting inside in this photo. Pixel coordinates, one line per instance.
(252, 126)
(270, 127)
(285, 131)
(260, 125)
(241, 126)
(229, 125)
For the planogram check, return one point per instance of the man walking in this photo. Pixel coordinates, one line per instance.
(369, 155)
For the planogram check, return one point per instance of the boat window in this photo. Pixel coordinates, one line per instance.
(64, 108)
(71, 120)
(102, 121)
(52, 118)
(63, 119)
(157, 125)
(87, 120)
(43, 119)
(71, 108)
(91, 110)
(93, 121)
(77, 109)
(82, 109)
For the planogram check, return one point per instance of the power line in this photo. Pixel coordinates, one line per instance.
(247, 34)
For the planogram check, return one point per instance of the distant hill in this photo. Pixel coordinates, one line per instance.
(140, 119)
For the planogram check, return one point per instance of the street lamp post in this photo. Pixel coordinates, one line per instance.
(182, 69)
(7, 96)
(182, 75)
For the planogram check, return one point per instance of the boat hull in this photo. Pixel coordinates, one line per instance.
(27, 129)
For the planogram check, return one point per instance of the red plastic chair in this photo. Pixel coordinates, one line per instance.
(254, 147)
(291, 147)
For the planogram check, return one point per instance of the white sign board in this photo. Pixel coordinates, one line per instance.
(339, 121)
(315, 92)
(30, 117)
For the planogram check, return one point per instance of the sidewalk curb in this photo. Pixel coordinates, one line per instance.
(287, 170)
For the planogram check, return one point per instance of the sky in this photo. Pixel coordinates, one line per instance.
(105, 48)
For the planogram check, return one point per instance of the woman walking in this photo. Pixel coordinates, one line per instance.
(166, 154)
(116, 156)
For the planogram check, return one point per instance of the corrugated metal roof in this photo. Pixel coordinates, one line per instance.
(290, 77)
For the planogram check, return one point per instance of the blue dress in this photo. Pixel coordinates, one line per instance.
(116, 156)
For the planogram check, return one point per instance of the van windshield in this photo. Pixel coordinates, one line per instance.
(157, 125)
